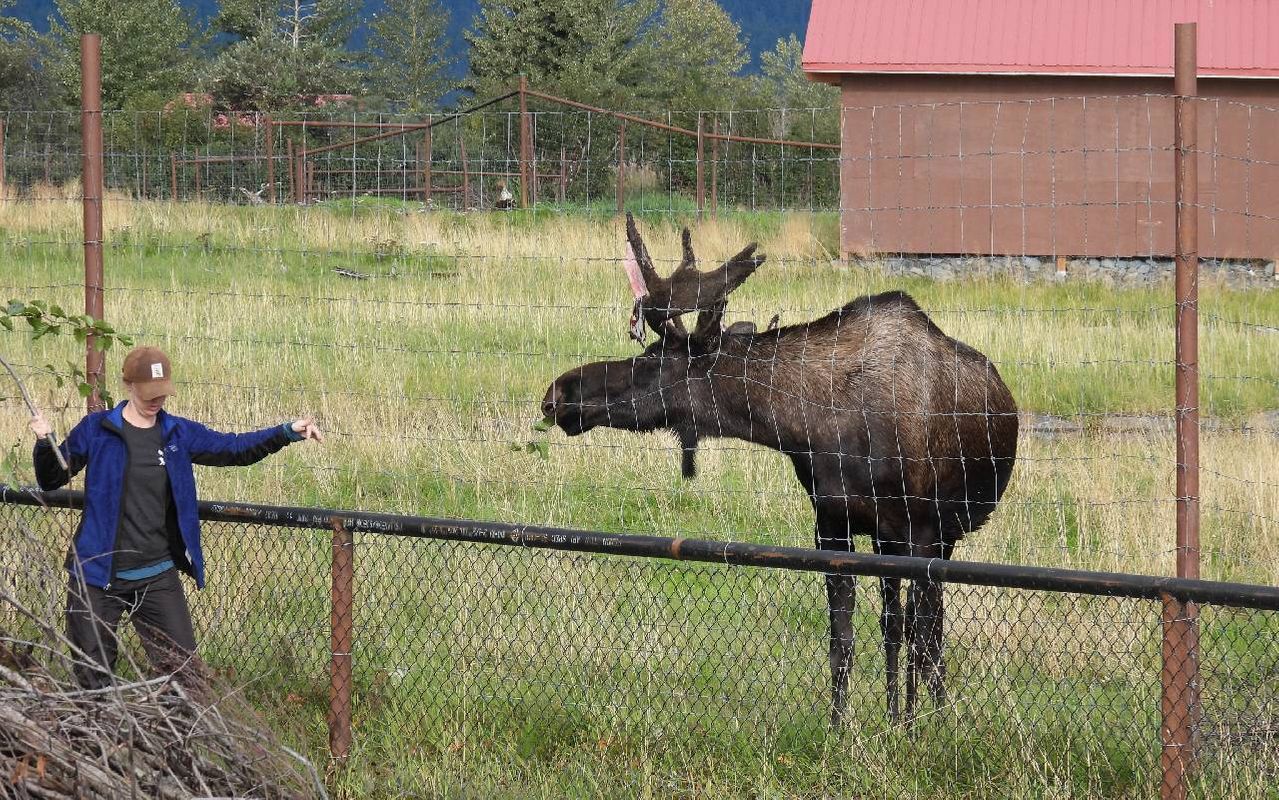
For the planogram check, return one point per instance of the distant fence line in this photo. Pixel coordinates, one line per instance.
(575, 153)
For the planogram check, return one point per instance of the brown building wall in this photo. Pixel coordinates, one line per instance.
(1073, 166)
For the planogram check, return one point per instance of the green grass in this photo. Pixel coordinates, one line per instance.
(485, 673)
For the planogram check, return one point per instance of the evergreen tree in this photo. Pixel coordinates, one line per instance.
(11, 28)
(267, 72)
(783, 83)
(147, 46)
(588, 49)
(287, 51)
(695, 57)
(23, 84)
(408, 53)
(328, 22)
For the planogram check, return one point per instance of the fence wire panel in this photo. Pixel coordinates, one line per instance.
(187, 151)
(468, 647)
(379, 286)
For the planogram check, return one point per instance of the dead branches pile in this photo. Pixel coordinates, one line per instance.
(167, 737)
(144, 739)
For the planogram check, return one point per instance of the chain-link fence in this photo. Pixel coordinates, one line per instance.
(470, 645)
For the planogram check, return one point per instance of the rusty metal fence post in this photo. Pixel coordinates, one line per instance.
(524, 142)
(426, 163)
(563, 183)
(91, 177)
(341, 637)
(621, 166)
(1179, 706)
(466, 174)
(715, 168)
(701, 174)
(532, 163)
(2, 150)
(269, 146)
(292, 173)
(300, 168)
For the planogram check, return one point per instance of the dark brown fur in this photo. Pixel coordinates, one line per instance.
(895, 430)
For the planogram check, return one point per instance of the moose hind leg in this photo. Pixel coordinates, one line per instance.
(924, 624)
(933, 621)
(930, 623)
(890, 624)
(840, 596)
(912, 648)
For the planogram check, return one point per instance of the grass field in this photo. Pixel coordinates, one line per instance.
(427, 374)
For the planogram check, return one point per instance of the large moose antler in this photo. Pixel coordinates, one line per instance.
(660, 301)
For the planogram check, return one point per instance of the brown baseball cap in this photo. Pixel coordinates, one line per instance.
(147, 368)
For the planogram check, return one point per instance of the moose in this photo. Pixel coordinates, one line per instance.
(896, 431)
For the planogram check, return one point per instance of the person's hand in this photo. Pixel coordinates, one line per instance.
(309, 430)
(40, 426)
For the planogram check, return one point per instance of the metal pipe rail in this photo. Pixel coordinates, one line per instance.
(1110, 584)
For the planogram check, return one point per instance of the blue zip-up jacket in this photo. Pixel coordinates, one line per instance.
(97, 444)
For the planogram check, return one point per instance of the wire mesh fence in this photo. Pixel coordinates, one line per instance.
(1036, 231)
(575, 159)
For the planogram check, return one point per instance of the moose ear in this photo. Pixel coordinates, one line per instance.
(689, 261)
(709, 323)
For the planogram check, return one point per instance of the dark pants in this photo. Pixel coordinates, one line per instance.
(157, 607)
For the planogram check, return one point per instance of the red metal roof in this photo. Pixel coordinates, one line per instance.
(1237, 38)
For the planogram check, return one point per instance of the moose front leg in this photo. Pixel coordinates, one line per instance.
(840, 596)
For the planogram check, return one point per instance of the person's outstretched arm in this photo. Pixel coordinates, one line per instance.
(214, 449)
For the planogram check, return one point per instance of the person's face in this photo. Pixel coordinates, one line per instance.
(147, 408)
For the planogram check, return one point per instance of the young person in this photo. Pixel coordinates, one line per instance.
(140, 527)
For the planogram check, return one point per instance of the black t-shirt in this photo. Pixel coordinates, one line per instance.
(143, 536)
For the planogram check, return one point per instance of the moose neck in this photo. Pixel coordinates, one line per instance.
(749, 390)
